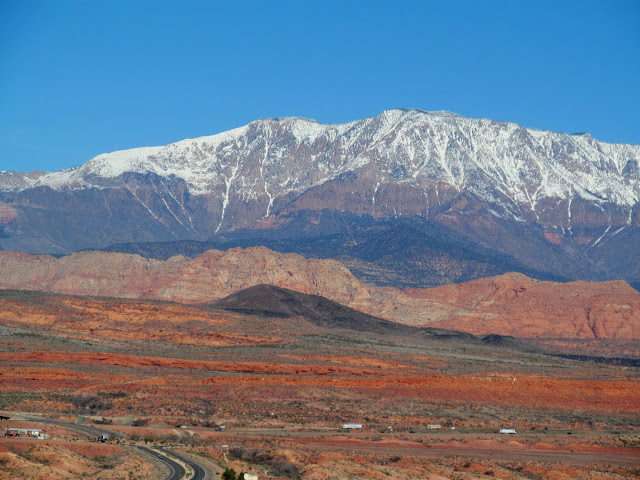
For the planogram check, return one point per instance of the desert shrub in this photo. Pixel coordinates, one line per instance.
(282, 467)
(104, 463)
(251, 455)
(279, 465)
(89, 403)
(170, 438)
(9, 399)
(229, 474)
(113, 394)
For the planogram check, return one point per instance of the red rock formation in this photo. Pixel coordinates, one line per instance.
(510, 304)
(513, 304)
(210, 276)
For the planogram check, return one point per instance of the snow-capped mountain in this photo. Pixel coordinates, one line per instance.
(402, 163)
(274, 157)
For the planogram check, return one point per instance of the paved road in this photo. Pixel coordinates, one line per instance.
(177, 471)
(91, 431)
(199, 472)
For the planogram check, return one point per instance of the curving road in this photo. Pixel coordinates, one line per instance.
(199, 472)
(177, 471)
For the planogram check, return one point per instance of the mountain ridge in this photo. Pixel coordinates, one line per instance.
(149, 160)
(557, 203)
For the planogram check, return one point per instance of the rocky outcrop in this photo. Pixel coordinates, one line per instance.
(510, 304)
(513, 304)
(210, 276)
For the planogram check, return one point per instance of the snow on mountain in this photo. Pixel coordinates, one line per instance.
(514, 168)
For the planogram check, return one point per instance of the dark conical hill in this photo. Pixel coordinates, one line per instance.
(271, 301)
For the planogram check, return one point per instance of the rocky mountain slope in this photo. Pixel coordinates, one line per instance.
(400, 252)
(564, 205)
(510, 304)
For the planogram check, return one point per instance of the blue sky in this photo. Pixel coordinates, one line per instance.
(80, 78)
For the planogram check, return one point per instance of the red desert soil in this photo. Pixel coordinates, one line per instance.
(91, 450)
(100, 358)
(24, 367)
(510, 304)
(524, 390)
(63, 460)
(95, 318)
(298, 383)
(496, 451)
(327, 462)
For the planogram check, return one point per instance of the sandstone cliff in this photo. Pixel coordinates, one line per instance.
(510, 304)
(513, 304)
(210, 276)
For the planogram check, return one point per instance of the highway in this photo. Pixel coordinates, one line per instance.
(199, 472)
(86, 429)
(177, 471)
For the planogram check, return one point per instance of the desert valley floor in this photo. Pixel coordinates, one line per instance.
(284, 371)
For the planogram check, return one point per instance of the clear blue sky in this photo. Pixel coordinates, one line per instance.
(79, 78)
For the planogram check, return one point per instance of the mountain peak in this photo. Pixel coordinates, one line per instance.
(402, 143)
(403, 162)
(285, 120)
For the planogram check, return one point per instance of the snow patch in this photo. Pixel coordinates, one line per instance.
(277, 157)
